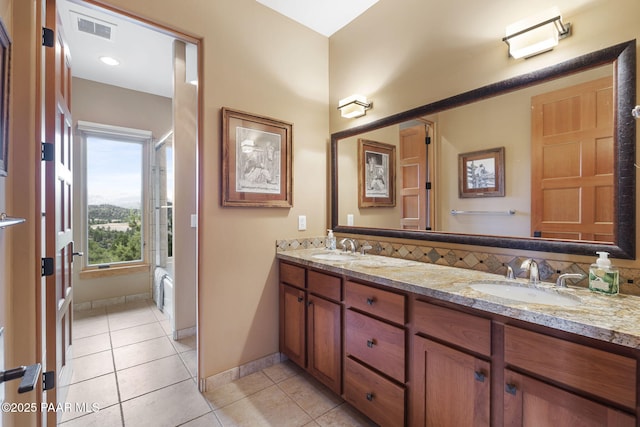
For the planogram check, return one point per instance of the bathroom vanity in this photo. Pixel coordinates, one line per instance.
(410, 343)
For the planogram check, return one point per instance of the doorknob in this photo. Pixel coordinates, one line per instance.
(78, 254)
(29, 375)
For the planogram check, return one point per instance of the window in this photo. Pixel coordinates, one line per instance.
(115, 208)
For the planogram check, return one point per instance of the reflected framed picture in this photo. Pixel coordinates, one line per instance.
(256, 160)
(376, 174)
(481, 173)
(5, 58)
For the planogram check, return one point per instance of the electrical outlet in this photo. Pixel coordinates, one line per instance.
(1, 368)
(302, 222)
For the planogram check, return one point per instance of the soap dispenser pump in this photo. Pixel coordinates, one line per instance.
(330, 243)
(603, 277)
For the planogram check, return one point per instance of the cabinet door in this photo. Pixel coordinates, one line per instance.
(292, 331)
(529, 402)
(324, 351)
(448, 387)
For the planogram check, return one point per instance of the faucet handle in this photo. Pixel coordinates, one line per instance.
(510, 274)
(561, 282)
(364, 247)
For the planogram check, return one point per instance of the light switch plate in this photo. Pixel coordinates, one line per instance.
(302, 222)
(350, 219)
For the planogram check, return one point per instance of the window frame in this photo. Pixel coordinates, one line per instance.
(145, 138)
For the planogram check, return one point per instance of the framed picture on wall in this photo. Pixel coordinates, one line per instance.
(5, 58)
(256, 160)
(481, 173)
(376, 174)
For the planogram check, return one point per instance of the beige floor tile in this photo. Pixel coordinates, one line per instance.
(344, 416)
(237, 390)
(146, 351)
(207, 420)
(101, 391)
(170, 406)
(312, 396)
(185, 344)
(190, 360)
(107, 417)
(136, 334)
(269, 407)
(151, 376)
(129, 307)
(90, 326)
(281, 371)
(166, 326)
(84, 314)
(91, 366)
(122, 320)
(90, 345)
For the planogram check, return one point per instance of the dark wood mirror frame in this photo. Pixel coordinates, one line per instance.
(623, 57)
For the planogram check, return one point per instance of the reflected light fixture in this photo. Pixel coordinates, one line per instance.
(536, 34)
(354, 106)
(109, 61)
(636, 112)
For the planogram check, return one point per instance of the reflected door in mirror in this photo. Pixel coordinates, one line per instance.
(572, 163)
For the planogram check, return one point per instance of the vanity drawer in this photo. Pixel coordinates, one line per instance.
(604, 374)
(375, 343)
(325, 285)
(384, 304)
(377, 397)
(461, 329)
(292, 274)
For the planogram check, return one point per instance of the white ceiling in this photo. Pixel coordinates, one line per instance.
(146, 55)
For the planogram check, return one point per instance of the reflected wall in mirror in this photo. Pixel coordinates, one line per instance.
(501, 115)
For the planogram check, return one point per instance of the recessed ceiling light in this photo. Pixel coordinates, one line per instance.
(109, 60)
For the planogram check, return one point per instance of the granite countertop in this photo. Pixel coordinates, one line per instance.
(614, 319)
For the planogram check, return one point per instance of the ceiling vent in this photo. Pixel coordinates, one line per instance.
(96, 27)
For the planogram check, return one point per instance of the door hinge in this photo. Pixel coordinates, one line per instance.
(46, 267)
(47, 152)
(427, 140)
(48, 37)
(48, 380)
(428, 186)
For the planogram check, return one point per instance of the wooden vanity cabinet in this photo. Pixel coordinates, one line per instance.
(375, 372)
(450, 368)
(311, 322)
(541, 370)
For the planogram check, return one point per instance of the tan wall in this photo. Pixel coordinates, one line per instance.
(415, 59)
(257, 61)
(109, 105)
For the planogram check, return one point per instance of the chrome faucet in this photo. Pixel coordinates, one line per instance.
(531, 266)
(561, 282)
(348, 242)
(510, 274)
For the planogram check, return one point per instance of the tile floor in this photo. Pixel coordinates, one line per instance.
(126, 364)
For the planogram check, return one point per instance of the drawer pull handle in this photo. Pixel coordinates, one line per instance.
(370, 397)
(371, 343)
(479, 376)
(370, 301)
(511, 389)
(300, 299)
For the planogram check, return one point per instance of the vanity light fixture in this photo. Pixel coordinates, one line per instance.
(636, 112)
(354, 106)
(536, 34)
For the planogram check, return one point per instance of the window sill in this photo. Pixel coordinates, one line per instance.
(96, 273)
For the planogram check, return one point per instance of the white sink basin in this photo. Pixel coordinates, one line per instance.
(334, 257)
(526, 294)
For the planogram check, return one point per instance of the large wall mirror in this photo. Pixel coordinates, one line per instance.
(560, 142)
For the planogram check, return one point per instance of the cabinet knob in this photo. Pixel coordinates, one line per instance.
(310, 303)
(370, 397)
(371, 342)
(300, 299)
(511, 389)
(370, 301)
(479, 376)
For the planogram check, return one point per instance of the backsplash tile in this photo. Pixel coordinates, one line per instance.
(549, 269)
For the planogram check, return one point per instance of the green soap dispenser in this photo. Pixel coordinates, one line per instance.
(603, 277)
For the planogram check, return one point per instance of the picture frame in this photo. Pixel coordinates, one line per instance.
(5, 66)
(481, 173)
(376, 174)
(256, 160)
